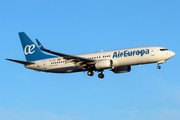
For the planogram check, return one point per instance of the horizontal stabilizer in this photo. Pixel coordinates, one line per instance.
(21, 62)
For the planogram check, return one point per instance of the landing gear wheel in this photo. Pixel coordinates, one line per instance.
(158, 67)
(101, 75)
(90, 73)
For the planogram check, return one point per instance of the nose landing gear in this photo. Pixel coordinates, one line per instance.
(160, 62)
(158, 67)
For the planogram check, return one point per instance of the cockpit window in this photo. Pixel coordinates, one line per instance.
(163, 49)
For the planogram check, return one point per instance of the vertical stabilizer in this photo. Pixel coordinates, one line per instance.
(30, 49)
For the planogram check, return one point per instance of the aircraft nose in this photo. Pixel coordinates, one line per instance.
(172, 53)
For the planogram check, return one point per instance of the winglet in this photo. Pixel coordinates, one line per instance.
(40, 45)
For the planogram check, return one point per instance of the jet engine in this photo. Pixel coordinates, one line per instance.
(104, 64)
(122, 69)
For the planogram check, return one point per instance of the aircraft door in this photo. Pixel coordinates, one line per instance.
(153, 52)
(44, 65)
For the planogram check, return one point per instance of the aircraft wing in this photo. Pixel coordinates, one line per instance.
(83, 62)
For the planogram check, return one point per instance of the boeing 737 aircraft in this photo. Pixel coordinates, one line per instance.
(118, 61)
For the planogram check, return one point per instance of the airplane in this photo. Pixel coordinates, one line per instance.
(118, 61)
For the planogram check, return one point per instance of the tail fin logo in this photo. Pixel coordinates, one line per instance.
(29, 49)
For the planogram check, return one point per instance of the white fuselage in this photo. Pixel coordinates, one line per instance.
(121, 57)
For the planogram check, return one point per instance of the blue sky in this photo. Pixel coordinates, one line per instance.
(76, 27)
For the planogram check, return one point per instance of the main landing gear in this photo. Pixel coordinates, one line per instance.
(91, 73)
(101, 75)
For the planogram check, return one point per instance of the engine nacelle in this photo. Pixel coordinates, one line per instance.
(122, 69)
(103, 64)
